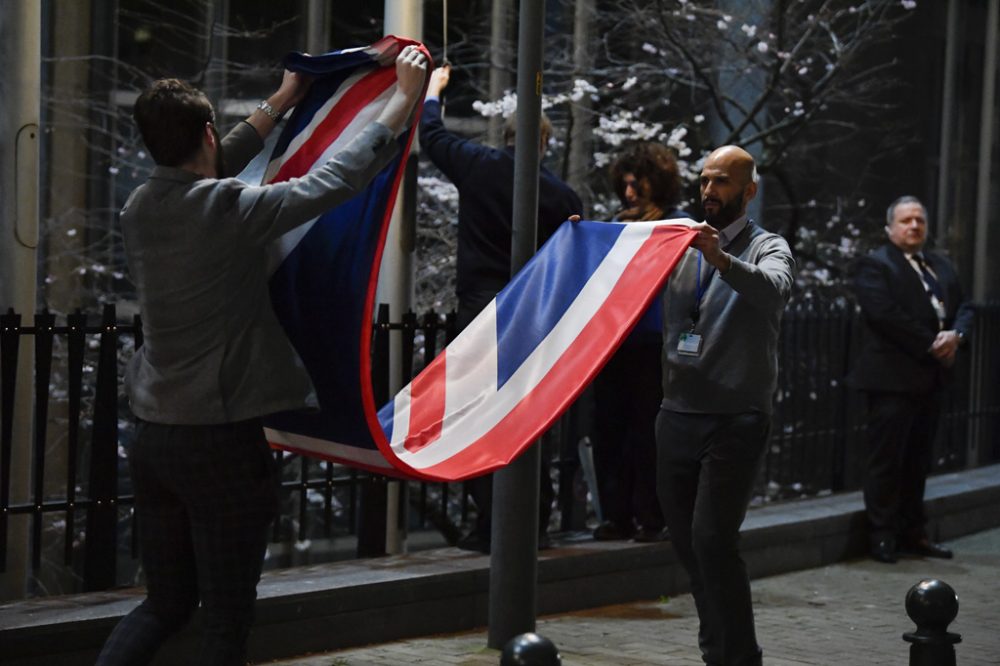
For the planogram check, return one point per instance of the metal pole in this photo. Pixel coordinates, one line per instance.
(939, 223)
(514, 563)
(581, 111)
(987, 118)
(500, 61)
(403, 18)
(20, 87)
(317, 27)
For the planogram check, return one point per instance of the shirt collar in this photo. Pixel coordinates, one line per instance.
(728, 234)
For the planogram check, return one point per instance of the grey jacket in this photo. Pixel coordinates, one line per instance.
(740, 321)
(213, 349)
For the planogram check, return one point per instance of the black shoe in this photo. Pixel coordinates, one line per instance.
(925, 548)
(612, 531)
(884, 551)
(475, 542)
(648, 535)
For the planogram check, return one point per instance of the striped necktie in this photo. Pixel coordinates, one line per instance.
(933, 286)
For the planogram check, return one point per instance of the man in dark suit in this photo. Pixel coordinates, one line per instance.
(484, 177)
(916, 320)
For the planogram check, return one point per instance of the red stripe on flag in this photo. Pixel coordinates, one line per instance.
(340, 116)
(577, 366)
(427, 394)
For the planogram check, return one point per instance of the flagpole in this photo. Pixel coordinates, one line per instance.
(514, 560)
(403, 18)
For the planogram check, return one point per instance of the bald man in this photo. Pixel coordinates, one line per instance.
(721, 319)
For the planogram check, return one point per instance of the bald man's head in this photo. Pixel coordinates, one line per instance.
(728, 183)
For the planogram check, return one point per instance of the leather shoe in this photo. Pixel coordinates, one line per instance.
(612, 531)
(926, 548)
(650, 535)
(884, 551)
(474, 542)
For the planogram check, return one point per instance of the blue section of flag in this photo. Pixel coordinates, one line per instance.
(539, 295)
(319, 290)
(386, 418)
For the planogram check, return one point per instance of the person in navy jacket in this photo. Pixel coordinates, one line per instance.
(484, 177)
(916, 320)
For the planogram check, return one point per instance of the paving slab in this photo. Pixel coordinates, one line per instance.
(847, 613)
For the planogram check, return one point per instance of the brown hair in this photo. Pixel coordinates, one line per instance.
(510, 129)
(171, 116)
(657, 178)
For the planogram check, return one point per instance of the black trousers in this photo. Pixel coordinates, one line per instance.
(204, 498)
(706, 467)
(626, 401)
(900, 437)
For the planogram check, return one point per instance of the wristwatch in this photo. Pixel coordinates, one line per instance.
(269, 111)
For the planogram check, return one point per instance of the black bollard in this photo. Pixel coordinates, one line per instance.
(932, 604)
(530, 650)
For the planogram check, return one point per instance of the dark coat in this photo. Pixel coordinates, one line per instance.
(900, 322)
(484, 177)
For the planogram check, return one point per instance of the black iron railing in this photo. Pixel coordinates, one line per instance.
(79, 504)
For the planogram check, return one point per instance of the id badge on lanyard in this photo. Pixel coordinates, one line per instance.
(689, 344)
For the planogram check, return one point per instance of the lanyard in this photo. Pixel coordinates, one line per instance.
(699, 292)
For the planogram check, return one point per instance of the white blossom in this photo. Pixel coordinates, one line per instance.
(649, 48)
(700, 118)
(438, 189)
(750, 30)
(762, 47)
(629, 82)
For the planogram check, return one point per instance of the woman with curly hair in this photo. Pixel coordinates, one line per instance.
(648, 183)
(627, 393)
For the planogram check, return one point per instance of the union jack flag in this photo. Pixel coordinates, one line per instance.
(510, 373)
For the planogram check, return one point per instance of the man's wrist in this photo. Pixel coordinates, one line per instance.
(725, 263)
(271, 110)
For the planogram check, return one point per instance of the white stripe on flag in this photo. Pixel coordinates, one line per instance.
(459, 430)
(280, 249)
(305, 134)
(326, 448)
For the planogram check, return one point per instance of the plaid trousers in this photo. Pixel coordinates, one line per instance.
(205, 496)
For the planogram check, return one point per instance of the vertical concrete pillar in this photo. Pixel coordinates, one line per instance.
(20, 86)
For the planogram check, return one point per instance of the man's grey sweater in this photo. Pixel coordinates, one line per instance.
(739, 324)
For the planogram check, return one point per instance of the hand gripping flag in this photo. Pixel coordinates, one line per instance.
(502, 382)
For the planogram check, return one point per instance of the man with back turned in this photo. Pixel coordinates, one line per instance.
(215, 359)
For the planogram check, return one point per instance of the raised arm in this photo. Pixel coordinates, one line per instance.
(272, 210)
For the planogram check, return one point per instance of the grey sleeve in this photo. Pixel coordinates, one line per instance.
(767, 280)
(239, 146)
(269, 211)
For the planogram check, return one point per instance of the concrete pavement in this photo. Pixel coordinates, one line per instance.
(847, 613)
(831, 613)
